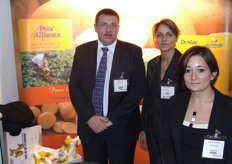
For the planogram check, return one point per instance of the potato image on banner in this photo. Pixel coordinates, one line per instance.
(69, 127)
(138, 35)
(66, 110)
(174, 11)
(22, 9)
(85, 36)
(46, 120)
(126, 33)
(57, 127)
(52, 108)
(81, 17)
(210, 16)
(36, 111)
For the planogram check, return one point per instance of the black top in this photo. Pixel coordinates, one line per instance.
(154, 111)
(191, 144)
(220, 119)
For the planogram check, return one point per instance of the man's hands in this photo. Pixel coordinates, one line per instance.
(44, 68)
(143, 141)
(98, 123)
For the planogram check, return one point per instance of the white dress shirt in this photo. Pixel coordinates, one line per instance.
(110, 55)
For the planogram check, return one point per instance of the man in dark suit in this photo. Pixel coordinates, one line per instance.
(111, 135)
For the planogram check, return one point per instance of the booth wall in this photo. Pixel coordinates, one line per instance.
(8, 81)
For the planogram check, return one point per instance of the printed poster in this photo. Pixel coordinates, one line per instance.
(45, 90)
(37, 37)
(58, 26)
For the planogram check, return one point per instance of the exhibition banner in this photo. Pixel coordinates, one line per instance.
(37, 36)
(55, 28)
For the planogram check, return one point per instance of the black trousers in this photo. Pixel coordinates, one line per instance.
(154, 150)
(160, 152)
(101, 151)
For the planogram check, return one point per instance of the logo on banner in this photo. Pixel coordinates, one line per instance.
(214, 43)
(188, 42)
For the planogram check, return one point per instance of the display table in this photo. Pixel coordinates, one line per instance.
(56, 141)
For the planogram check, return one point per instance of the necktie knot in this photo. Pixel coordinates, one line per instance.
(105, 49)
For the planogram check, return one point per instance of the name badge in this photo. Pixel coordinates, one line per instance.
(167, 92)
(213, 146)
(213, 149)
(120, 85)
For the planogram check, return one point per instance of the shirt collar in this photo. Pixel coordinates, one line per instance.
(110, 47)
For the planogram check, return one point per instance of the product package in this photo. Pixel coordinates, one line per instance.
(67, 153)
(20, 148)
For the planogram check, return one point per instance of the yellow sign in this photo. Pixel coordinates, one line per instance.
(45, 34)
(220, 45)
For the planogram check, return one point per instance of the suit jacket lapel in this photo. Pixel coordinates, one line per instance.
(182, 111)
(92, 55)
(218, 112)
(172, 66)
(117, 62)
(154, 82)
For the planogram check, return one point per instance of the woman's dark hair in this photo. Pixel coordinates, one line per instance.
(168, 22)
(206, 54)
(106, 12)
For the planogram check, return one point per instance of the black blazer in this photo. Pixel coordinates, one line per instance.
(221, 119)
(123, 108)
(154, 110)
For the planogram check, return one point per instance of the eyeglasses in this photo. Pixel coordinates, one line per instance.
(105, 25)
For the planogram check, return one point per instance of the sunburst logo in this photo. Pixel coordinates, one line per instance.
(214, 43)
(214, 40)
